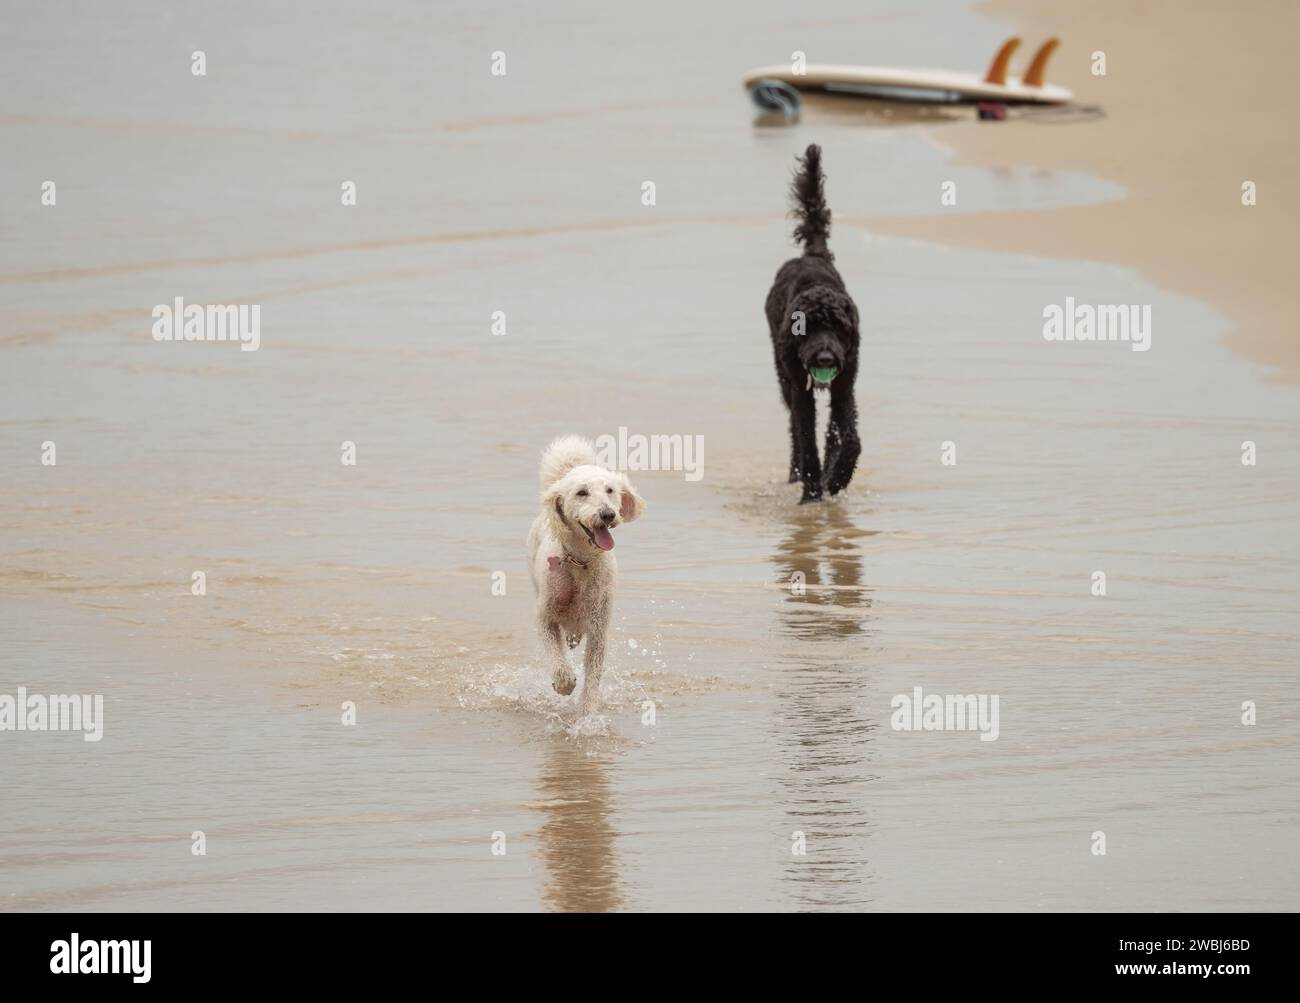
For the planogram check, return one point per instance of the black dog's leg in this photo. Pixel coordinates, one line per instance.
(803, 426)
(842, 445)
(795, 464)
(796, 452)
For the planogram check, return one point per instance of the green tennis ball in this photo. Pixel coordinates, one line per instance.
(824, 374)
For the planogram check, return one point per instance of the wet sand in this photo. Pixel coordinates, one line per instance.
(372, 583)
(1195, 106)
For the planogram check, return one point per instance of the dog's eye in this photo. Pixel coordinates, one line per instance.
(609, 491)
(582, 493)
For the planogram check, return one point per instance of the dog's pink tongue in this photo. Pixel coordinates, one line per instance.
(604, 538)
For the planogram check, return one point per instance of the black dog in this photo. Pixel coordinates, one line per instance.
(814, 326)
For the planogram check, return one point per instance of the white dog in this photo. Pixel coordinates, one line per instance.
(570, 550)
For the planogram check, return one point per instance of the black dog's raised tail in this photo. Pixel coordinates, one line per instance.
(810, 209)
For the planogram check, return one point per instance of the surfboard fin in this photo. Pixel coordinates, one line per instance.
(997, 73)
(1034, 78)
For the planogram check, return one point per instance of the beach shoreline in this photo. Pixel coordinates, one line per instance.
(298, 577)
(1183, 225)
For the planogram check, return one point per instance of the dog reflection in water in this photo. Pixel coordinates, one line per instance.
(577, 836)
(819, 566)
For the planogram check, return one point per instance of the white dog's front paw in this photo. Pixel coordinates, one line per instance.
(564, 681)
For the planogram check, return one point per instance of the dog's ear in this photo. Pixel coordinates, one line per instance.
(851, 310)
(553, 506)
(631, 504)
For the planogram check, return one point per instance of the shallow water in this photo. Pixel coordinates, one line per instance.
(373, 583)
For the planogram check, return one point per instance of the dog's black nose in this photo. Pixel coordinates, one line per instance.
(825, 359)
(608, 515)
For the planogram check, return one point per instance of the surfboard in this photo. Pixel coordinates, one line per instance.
(926, 84)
